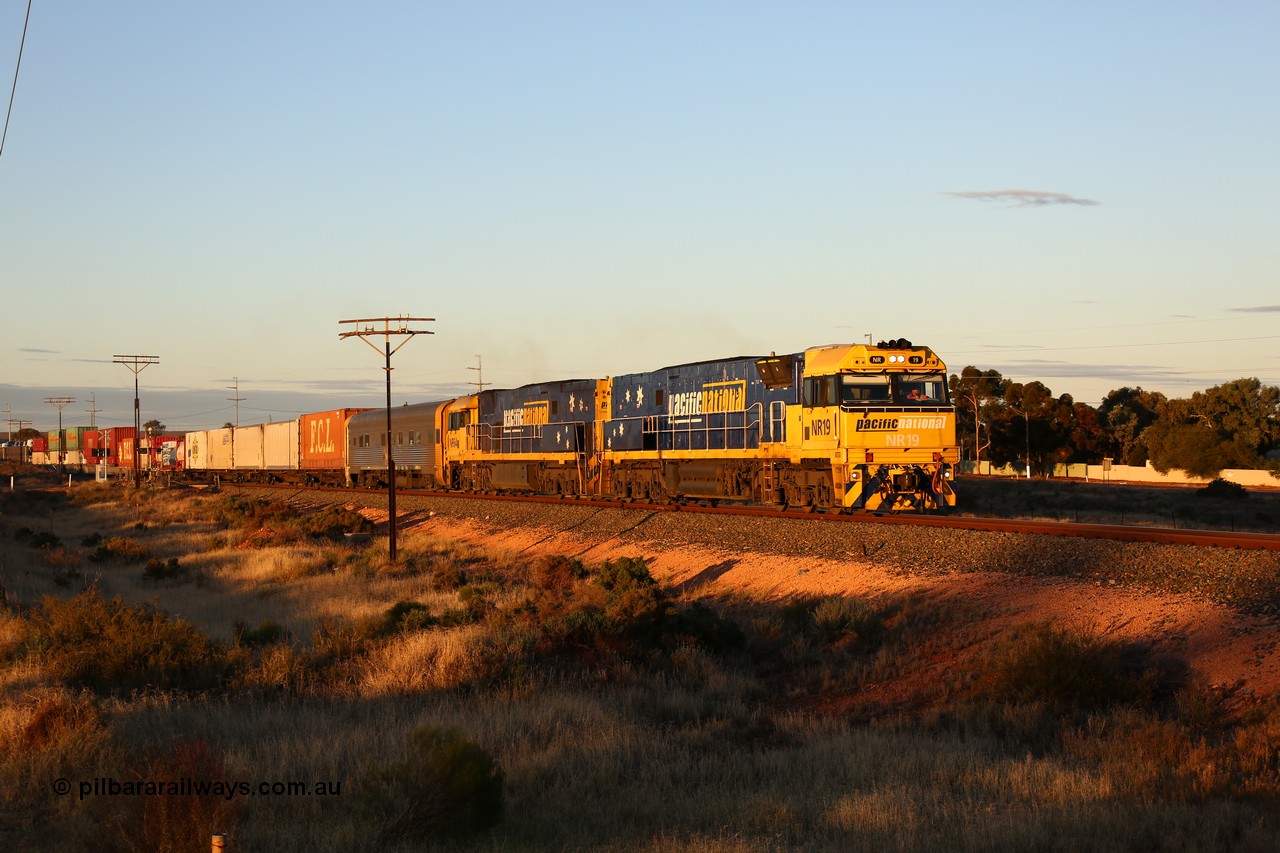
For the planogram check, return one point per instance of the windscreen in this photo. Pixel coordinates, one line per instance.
(860, 390)
(927, 389)
(908, 389)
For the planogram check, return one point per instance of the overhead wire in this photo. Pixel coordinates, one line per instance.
(14, 89)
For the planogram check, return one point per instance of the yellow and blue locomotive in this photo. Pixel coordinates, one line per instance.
(838, 427)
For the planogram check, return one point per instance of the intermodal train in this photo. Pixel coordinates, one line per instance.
(839, 427)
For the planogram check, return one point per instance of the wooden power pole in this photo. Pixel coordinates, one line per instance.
(366, 329)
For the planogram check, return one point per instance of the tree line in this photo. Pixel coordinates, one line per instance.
(1234, 425)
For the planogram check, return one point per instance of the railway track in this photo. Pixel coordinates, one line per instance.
(1085, 530)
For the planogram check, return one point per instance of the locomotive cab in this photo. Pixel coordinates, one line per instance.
(458, 438)
(883, 416)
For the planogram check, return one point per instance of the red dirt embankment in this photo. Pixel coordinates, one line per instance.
(1223, 648)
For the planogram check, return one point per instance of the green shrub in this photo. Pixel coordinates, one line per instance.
(60, 558)
(122, 549)
(408, 616)
(340, 639)
(115, 647)
(267, 633)
(619, 614)
(632, 596)
(243, 511)
(44, 539)
(848, 622)
(289, 522)
(448, 576)
(710, 629)
(557, 573)
(476, 601)
(1072, 672)
(333, 522)
(158, 570)
(445, 786)
(1223, 490)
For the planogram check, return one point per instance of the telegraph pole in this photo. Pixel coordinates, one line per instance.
(12, 420)
(365, 329)
(136, 363)
(479, 369)
(93, 411)
(237, 399)
(62, 439)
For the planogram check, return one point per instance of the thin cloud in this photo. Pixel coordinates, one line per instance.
(1061, 369)
(37, 350)
(1258, 309)
(1023, 198)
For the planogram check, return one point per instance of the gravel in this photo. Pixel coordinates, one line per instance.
(1248, 580)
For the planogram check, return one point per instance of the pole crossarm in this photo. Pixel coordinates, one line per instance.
(136, 363)
(371, 331)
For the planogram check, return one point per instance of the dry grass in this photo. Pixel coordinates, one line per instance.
(674, 739)
(424, 661)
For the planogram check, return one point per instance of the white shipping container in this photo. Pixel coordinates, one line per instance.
(196, 452)
(248, 447)
(280, 446)
(218, 450)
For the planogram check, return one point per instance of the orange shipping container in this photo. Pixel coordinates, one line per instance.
(322, 438)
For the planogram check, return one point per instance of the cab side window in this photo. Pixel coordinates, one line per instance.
(820, 391)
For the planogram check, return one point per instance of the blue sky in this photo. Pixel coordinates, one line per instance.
(1086, 194)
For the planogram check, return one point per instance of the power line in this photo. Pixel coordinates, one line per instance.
(13, 91)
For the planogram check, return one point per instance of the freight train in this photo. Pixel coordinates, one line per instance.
(840, 427)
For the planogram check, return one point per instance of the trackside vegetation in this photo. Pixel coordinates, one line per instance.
(1233, 425)
(473, 699)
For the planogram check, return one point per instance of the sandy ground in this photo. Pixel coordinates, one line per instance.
(1223, 648)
